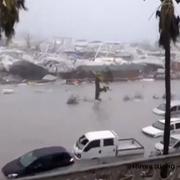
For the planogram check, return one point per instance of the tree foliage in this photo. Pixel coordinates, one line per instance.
(168, 22)
(9, 15)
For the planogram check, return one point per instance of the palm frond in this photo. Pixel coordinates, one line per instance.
(168, 23)
(9, 15)
(20, 4)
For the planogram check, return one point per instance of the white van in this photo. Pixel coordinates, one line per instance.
(161, 109)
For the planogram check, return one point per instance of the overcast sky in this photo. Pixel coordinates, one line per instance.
(107, 20)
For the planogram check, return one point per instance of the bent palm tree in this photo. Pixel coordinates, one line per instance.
(9, 15)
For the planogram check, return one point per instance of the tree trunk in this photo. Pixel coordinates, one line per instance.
(164, 171)
(168, 96)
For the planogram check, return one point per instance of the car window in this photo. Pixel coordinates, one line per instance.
(174, 108)
(177, 125)
(108, 142)
(158, 125)
(177, 145)
(93, 144)
(82, 142)
(162, 107)
(171, 127)
(172, 141)
(178, 107)
(28, 159)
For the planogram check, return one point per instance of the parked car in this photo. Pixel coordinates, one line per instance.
(157, 128)
(37, 161)
(174, 145)
(101, 144)
(175, 108)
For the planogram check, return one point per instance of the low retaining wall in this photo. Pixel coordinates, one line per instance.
(145, 169)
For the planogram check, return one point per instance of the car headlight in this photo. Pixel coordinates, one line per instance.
(13, 175)
(71, 160)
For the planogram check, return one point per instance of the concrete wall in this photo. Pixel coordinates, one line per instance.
(141, 169)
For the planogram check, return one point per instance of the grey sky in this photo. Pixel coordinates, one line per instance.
(107, 20)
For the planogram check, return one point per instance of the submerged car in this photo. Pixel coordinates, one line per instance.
(174, 145)
(37, 161)
(157, 128)
(161, 109)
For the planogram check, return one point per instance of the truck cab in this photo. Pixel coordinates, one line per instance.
(96, 144)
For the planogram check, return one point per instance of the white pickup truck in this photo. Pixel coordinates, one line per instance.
(99, 144)
(174, 145)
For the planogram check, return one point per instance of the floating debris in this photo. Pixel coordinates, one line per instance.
(7, 91)
(126, 98)
(138, 96)
(73, 100)
(156, 97)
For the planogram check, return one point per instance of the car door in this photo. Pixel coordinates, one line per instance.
(92, 150)
(60, 160)
(36, 167)
(109, 149)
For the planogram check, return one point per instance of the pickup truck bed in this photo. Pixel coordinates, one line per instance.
(129, 146)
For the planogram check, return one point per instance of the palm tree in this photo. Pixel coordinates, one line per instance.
(9, 15)
(169, 30)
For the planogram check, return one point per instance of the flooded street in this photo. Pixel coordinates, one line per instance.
(37, 115)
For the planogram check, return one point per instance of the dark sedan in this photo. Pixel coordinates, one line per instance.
(37, 161)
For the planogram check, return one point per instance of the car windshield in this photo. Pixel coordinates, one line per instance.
(171, 142)
(27, 159)
(162, 107)
(158, 125)
(82, 142)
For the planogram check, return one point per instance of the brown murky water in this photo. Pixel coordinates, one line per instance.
(37, 115)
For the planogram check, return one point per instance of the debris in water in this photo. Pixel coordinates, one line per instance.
(138, 96)
(98, 88)
(126, 98)
(72, 100)
(155, 97)
(7, 91)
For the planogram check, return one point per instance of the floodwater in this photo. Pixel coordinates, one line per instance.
(37, 115)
